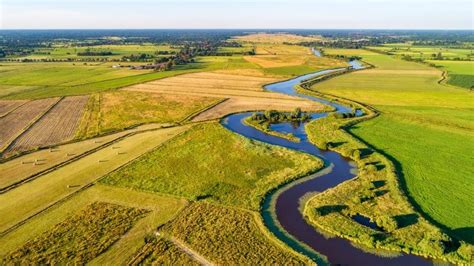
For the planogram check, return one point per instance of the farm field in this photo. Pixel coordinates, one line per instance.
(64, 51)
(426, 52)
(228, 236)
(118, 110)
(158, 210)
(58, 125)
(161, 251)
(33, 197)
(15, 170)
(65, 242)
(434, 127)
(21, 118)
(460, 73)
(214, 178)
(8, 106)
(277, 38)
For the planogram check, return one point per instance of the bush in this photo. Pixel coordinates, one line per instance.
(387, 222)
(356, 154)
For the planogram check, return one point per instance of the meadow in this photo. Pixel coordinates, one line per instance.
(460, 73)
(160, 251)
(31, 198)
(158, 210)
(423, 127)
(76, 239)
(426, 52)
(65, 51)
(184, 168)
(229, 236)
(118, 110)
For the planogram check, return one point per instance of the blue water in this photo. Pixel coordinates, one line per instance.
(287, 215)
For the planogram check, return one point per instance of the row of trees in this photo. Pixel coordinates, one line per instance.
(273, 116)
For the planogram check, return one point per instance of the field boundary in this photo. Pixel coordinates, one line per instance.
(90, 184)
(12, 140)
(198, 112)
(13, 109)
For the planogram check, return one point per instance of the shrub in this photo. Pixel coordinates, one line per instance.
(387, 222)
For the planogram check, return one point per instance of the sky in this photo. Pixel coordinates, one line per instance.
(236, 14)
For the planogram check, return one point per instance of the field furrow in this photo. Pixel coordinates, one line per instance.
(8, 106)
(57, 126)
(20, 119)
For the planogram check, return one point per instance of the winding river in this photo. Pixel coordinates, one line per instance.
(281, 209)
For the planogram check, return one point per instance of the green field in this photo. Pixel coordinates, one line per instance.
(460, 73)
(425, 128)
(201, 164)
(118, 51)
(426, 52)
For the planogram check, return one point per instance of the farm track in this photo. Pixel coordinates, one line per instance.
(55, 126)
(21, 119)
(193, 254)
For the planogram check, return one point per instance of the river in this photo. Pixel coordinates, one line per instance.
(281, 208)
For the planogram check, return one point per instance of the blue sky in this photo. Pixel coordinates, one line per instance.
(306, 14)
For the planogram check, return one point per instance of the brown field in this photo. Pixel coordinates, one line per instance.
(235, 105)
(277, 38)
(211, 85)
(245, 93)
(58, 125)
(8, 106)
(20, 119)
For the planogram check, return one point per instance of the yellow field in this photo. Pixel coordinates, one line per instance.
(162, 208)
(21, 168)
(31, 198)
(245, 93)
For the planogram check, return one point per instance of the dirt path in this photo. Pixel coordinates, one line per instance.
(193, 254)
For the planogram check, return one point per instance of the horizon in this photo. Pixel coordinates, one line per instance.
(236, 14)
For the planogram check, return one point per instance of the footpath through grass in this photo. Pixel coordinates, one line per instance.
(425, 128)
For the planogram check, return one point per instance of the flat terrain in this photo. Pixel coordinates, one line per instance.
(33, 197)
(245, 92)
(460, 73)
(21, 118)
(184, 167)
(424, 127)
(58, 125)
(118, 110)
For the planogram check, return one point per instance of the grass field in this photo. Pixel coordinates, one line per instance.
(79, 238)
(424, 127)
(33, 197)
(118, 51)
(160, 209)
(460, 73)
(228, 236)
(425, 52)
(112, 111)
(184, 167)
(375, 193)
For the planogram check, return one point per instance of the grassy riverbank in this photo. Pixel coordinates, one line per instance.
(424, 127)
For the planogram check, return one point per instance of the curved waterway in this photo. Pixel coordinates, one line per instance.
(281, 208)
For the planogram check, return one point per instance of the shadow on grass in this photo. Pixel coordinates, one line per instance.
(402, 180)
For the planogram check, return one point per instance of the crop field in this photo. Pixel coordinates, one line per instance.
(215, 178)
(159, 210)
(21, 118)
(228, 236)
(76, 239)
(33, 197)
(290, 60)
(433, 122)
(57, 126)
(8, 106)
(112, 111)
(245, 92)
